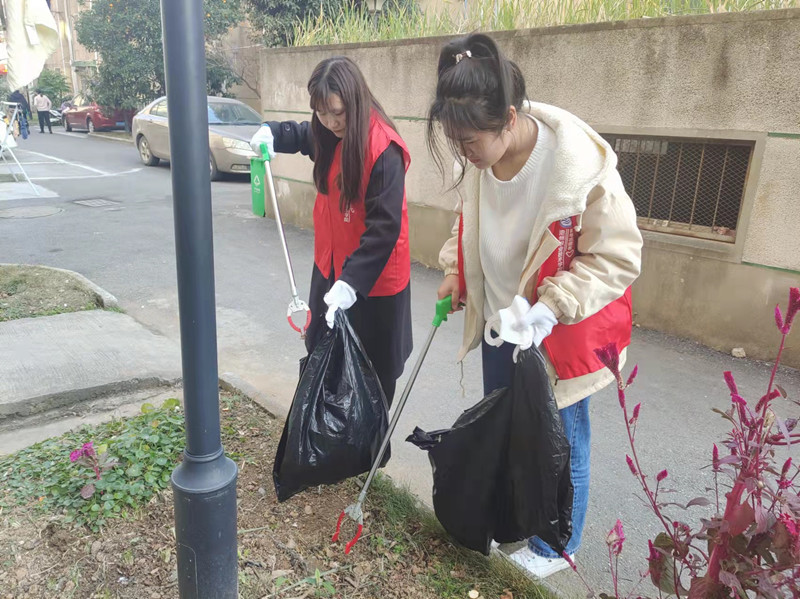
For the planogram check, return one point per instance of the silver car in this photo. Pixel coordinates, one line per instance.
(231, 124)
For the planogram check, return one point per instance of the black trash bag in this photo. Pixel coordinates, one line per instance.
(338, 416)
(469, 467)
(539, 456)
(502, 471)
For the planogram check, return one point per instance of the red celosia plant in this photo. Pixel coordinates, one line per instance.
(98, 461)
(751, 546)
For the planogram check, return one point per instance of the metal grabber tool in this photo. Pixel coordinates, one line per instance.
(296, 305)
(355, 511)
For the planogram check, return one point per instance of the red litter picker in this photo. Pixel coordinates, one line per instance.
(355, 510)
(261, 173)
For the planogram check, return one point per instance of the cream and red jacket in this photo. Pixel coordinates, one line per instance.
(583, 256)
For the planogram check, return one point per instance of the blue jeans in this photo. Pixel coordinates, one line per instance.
(498, 371)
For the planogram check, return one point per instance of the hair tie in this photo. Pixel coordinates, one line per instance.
(462, 55)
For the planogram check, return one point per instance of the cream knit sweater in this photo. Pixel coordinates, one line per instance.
(511, 207)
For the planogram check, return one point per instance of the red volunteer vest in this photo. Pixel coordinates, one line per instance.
(338, 235)
(570, 347)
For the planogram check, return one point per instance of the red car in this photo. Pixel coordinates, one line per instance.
(84, 113)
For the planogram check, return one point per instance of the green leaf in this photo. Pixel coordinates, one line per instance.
(171, 404)
(666, 581)
(147, 408)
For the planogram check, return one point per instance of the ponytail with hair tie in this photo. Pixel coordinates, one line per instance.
(476, 96)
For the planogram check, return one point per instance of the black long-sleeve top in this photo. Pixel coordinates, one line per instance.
(383, 204)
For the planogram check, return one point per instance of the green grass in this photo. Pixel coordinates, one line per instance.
(31, 291)
(352, 24)
(407, 521)
(140, 452)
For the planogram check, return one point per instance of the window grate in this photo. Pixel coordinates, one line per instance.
(691, 187)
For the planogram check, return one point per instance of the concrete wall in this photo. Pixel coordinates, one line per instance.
(244, 60)
(732, 76)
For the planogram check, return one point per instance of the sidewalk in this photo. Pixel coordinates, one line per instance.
(53, 362)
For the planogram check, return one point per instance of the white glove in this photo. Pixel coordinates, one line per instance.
(520, 324)
(263, 136)
(340, 297)
(510, 325)
(542, 319)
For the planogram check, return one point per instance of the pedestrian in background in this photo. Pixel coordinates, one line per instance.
(42, 104)
(24, 112)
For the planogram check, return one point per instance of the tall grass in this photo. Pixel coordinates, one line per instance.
(350, 23)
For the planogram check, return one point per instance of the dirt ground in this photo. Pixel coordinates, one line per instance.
(27, 291)
(285, 549)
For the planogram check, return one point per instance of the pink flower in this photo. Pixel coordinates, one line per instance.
(790, 524)
(609, 356)
(783, 482)
(616, 538)
(654, 554)
(731, 383)
(629, 459)
(635, 416)
(793, 528)
(779, 318)
(715, 457)
(88, 449)
(76, 455)
(662, 475)
(767, 399)
(792, 309)
(633, 375)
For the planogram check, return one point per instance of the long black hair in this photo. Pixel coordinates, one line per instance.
(475, 88)
(340, 75)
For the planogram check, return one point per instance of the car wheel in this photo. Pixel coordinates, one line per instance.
(215, 174)
(145, 153)
(90, 125)
(67, 126)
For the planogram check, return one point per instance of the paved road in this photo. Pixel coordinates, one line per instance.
(125, 244)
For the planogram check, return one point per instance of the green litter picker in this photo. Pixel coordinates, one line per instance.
(355, 511)
(261, 175)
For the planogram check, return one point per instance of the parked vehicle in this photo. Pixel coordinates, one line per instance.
(231, 124)
(84, 113)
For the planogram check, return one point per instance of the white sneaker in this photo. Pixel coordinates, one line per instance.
(538, 566)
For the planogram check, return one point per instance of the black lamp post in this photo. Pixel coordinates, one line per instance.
(205, 483)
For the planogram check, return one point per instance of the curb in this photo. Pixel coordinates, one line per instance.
(106, 300)
(111, 138)
(232, 383)
(64, 399)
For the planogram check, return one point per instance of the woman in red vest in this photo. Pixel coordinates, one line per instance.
(362, 262)
(545, 249)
